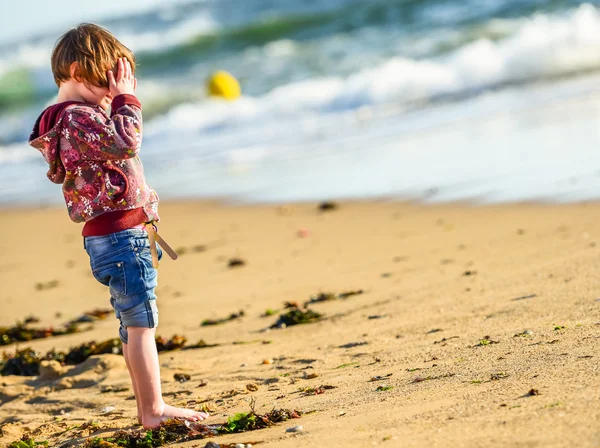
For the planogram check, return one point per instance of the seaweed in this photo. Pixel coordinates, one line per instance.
(296, 316)
(23, 332)
(182, 377)
(329, 296)
(166, 345)
(316, 390)
(178, 431)
(84, 351)
(232, 316)
(486, 340)
(328, 206)
(236, 263)
(26, 442)
(26, 362)
(250, 421)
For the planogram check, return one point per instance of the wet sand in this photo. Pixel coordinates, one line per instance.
(447, 288)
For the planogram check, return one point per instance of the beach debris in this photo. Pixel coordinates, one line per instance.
(530, 296)
(386, 275)
(532, 393)
(26, 362)
(303, 233)
(421, 379)
(486, 340)
(236, 263)
(177, 431)
(107, 410)
(91, 316)
(296, 316)
(377, 316)
(31, 320)
(310, 376)
(380, 378)
(110, 388)
(524, 334)
(269, 312)
(329, 296)
(84, 351)
(343, 366)
(316, 390)
(249, 421)
(267, 361)
(165, 345)
(498, 376)
(384, 388)
(252, 387)
(444, 340)
(297, 428)
(328, 206)
(232, 316)
(42, 286)
(23, 332)
(354, 344)
(559, 327)
(434, 330)
(27, 442)
(182, 377)
(469, 273)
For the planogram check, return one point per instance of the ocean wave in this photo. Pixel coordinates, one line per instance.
(542, 47)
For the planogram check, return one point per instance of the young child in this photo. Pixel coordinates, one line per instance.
(95, 158)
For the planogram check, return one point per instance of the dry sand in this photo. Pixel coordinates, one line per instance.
(440, 279)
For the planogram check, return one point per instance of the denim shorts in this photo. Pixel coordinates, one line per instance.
(123, 262)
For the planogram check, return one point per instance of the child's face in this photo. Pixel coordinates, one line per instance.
(95, 95)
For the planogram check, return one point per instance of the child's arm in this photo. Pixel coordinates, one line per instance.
(99, 138)
(119, 137)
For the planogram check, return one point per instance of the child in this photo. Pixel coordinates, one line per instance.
(95, 158)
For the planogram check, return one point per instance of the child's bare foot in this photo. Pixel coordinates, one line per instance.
(151, 421)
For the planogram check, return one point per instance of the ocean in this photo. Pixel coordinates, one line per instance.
(428, 100)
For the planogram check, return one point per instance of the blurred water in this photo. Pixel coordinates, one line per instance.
(424, 99)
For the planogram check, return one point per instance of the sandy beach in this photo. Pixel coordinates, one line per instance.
(485, 319)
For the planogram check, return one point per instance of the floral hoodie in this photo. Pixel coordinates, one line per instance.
(95, 158)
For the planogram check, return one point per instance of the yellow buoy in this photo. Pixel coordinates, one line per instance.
(224, 85)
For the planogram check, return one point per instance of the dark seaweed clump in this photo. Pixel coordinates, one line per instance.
(296, 316)
(26, 362)
(232, 316)
(179, 431)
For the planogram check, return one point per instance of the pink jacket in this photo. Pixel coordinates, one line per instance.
(95, 157)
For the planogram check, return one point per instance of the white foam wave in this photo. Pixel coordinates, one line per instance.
(542, 46)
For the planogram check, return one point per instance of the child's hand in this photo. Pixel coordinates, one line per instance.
(125, 82)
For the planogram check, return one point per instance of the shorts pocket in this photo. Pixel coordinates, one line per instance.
(112, 275)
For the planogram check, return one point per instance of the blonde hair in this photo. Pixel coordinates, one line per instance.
(94, 49)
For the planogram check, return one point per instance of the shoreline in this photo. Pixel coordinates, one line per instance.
(437, 281)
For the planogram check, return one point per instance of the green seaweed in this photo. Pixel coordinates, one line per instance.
(296, 316)
(232, 316)
(26, 442)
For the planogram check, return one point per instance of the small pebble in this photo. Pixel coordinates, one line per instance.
(528, 332)
(107, 410)
(240, 445)
(267, 361)
(295, 429)
(212, 445)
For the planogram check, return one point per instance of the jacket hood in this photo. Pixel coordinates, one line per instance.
(45, 137)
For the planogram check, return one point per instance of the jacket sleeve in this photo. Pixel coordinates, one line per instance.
(101, 138)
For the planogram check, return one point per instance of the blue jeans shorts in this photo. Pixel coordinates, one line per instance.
(123, 262)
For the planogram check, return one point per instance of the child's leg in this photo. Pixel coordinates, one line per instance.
(145, 369)
(133, 383)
